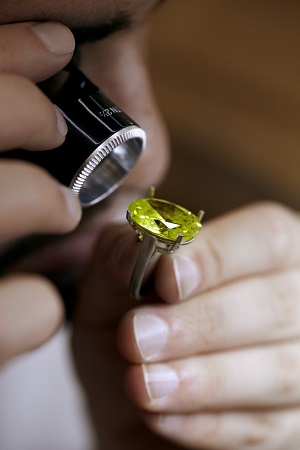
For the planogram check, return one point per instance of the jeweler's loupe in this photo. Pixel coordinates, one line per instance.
(101, 147)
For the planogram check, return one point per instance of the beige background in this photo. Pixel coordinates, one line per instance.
(227, 78)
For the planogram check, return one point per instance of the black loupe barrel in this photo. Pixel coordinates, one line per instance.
(101, 147)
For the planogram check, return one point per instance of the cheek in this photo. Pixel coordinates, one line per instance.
(154, 162)
(117, 65)
(141, 106)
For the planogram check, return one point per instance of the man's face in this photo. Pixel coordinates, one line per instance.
(77, 14)
(110, 37)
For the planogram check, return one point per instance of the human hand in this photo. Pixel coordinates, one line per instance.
(218, 368)
(220, 356)
(119, 67)
(31, 200)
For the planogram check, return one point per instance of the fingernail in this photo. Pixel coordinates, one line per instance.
(187, 275)
(151, 334)
(61, 123)
(72, 203)
(160, 380)
(56, 37)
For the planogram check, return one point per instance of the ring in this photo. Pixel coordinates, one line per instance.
(162, 227)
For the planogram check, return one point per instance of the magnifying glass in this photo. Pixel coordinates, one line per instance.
(102, 145)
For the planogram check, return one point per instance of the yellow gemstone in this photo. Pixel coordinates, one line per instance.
(164, 220)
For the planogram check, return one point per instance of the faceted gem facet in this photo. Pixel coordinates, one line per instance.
(164, 219)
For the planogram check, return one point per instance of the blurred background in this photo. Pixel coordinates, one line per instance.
(227, 79)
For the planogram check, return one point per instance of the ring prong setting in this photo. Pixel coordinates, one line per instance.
(162, 227)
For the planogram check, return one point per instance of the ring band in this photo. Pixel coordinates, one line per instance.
(162, 227)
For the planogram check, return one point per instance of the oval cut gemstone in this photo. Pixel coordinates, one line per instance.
(164, 220)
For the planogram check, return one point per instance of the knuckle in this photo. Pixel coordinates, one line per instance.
(22, 52)
(211, 331)
(47, 204)
(13, 47)
(215, 385)
(261, 433)
(35, 123)
(7, 52)
(285, 302)
(38, 187)
(216, 263)
(41, 117)
(40, 196)
(275, 222)
(287, 373)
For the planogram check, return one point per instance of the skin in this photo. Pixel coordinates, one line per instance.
(213, 354)
(218, 366)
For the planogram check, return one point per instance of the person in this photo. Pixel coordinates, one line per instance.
(213, 357)
(33, 202)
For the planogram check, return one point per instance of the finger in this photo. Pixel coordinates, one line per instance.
(253, 240)
(248, 312)
(232, 430)
(35, 50)
(27, 118)
(99, 364)
(36, 202)
(101, 369)
(252, 378)
(64, 253)
(31, 312)
(102, 280)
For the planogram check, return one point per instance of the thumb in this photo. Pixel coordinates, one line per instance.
(104, 293)
(102, 302)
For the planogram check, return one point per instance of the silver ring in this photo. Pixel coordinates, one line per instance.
(161, 227)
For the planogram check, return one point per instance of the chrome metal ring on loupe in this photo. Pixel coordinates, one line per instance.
(104, 170)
